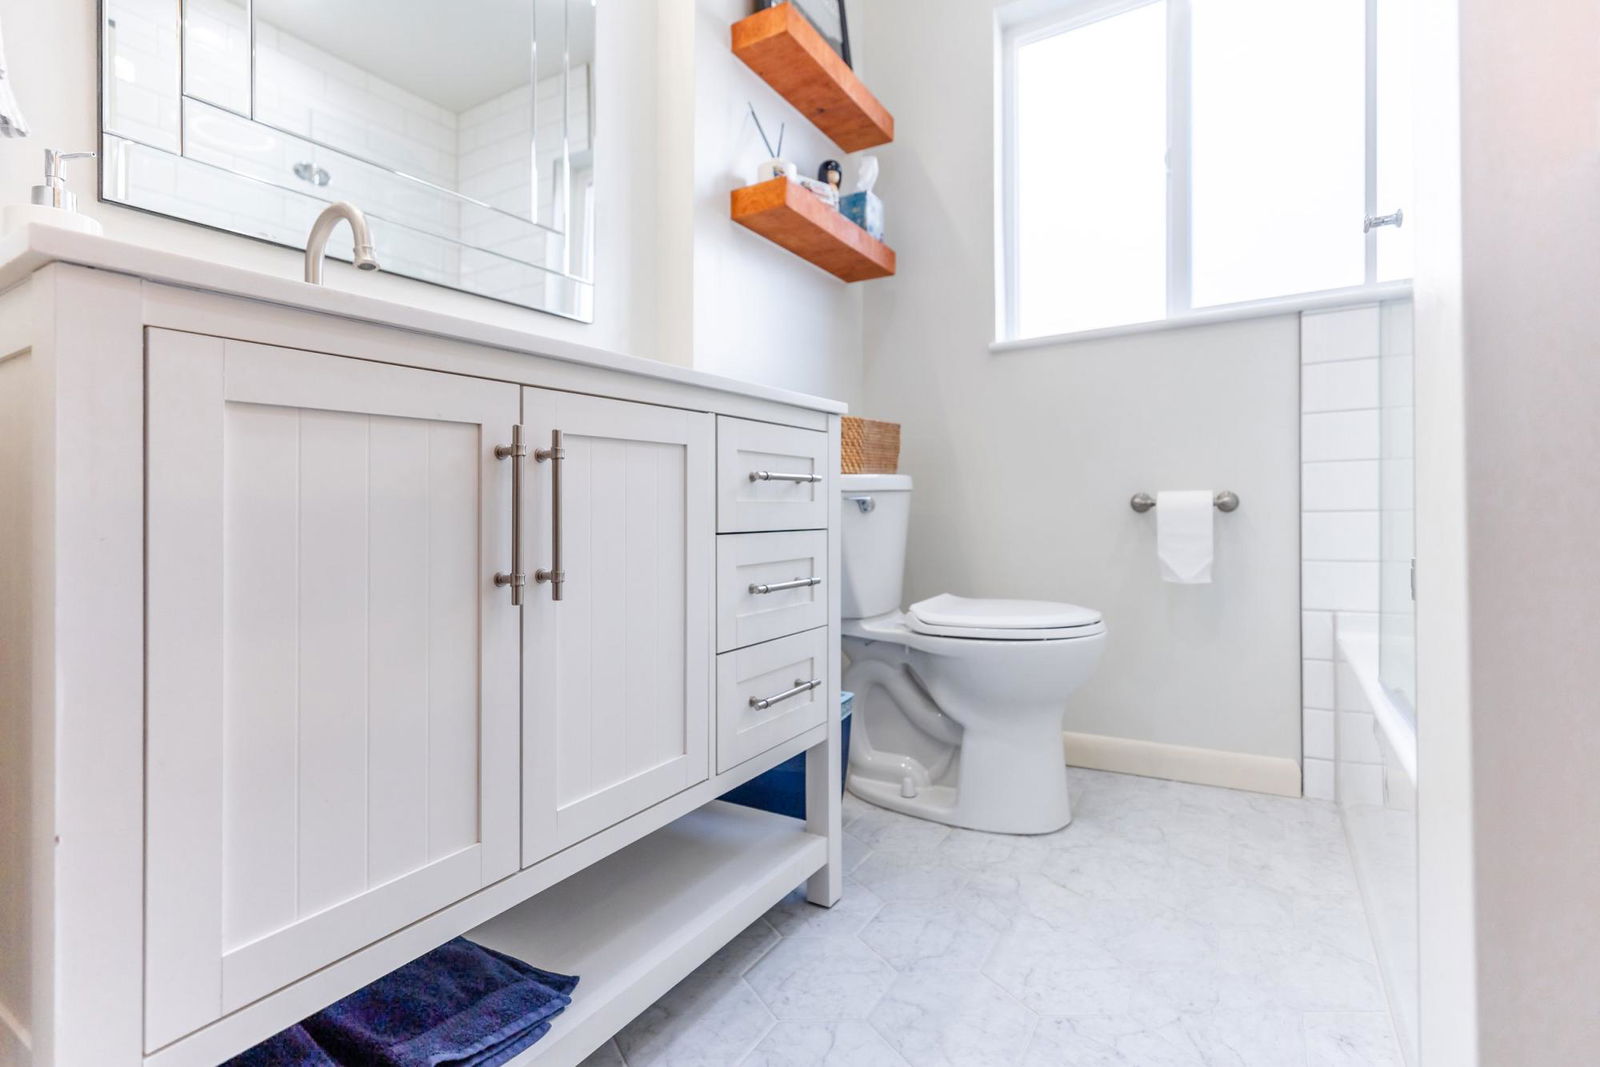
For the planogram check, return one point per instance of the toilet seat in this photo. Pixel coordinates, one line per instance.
(1001, 620)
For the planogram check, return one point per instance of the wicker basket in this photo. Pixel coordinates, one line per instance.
(870, 446)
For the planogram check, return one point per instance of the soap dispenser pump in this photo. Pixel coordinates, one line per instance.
(53, 204)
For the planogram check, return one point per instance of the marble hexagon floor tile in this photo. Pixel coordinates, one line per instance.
(1170, 925)
(910, 876)
(794, 916)
(820, 979)
(740, 954)
(1351, 1039)
(1156, 1039)
(607, 1055)
(960, 1020)
(918, 936)
(848, 1043)
(706, 1020)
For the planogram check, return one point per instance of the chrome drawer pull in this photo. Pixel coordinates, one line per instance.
(556, 456)
(516, 452)
(762, 704)
(772, 476)
(799, 583)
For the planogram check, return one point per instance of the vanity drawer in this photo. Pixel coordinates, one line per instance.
(760, 699)
(770, 585)
(770, 477)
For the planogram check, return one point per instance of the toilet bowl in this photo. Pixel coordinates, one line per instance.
(959, 701)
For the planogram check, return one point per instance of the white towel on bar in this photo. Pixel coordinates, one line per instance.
(12, 124)
(1184, 535)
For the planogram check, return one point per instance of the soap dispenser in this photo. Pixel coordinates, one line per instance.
(53, 203)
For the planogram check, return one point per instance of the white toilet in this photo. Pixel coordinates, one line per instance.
(958, 702)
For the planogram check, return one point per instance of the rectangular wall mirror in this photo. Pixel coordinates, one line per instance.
(251, 116)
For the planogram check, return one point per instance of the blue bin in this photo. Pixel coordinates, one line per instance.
(782, 790)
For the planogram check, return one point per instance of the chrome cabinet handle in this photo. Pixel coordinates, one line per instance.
(556, 454)
(516, 451)
(763, 703)
(772, 476)
(777, 587)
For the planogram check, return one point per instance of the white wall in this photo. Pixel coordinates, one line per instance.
(1025, 461)
(1521, 465)
(1445, 847)
(758, 311)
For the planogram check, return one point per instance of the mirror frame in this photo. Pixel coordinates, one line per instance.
(537, 276)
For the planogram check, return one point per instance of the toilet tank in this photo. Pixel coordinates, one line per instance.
(876, 516)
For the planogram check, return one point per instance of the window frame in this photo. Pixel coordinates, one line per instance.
(1064, 16)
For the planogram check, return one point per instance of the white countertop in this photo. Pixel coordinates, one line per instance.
(31, 247)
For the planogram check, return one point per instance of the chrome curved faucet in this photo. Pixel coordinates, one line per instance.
(317, 244)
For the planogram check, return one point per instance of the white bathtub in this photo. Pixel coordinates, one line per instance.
(1376, 777)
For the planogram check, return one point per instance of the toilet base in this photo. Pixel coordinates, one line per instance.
(1048, 809)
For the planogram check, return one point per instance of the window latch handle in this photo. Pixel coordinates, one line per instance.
(1372, 222)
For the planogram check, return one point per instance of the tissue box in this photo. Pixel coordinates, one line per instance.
(865, 210)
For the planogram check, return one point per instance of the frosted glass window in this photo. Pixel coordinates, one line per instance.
(1168, 156)
(1091, 175)
(1396, 158)
(1279, 148)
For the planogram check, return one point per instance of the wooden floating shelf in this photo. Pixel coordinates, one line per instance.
(786, 214)
(792, 57)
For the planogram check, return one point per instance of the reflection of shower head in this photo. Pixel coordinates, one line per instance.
(308, 172)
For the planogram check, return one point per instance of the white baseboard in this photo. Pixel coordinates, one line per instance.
(1278, 775)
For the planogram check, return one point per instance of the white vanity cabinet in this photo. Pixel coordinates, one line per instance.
(331, 707)
(617, 680)
(280, 716)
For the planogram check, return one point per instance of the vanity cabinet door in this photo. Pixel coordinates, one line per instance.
(332, 673)
(617, 673)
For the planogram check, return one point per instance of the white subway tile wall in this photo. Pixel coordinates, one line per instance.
(1336, 435)
(305, 94)
(1342, 535)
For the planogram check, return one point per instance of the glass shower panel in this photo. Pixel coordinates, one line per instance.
(1397, 645)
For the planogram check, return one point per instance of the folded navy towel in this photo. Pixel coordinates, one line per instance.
(290, 1048)
(461, 1005)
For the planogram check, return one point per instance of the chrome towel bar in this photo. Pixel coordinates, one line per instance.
(1226, 500)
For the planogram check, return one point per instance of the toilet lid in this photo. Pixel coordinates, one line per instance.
(1016, 620)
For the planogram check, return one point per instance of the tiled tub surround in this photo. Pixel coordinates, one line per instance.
(1342, 514)
(1356, 547)
(1171, 925)
(1383, 835)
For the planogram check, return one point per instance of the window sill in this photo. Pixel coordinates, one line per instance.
(1259, 309)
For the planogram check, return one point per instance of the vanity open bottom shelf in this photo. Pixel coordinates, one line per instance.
(635, 924)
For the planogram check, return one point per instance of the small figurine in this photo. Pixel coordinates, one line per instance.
(831, 173)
